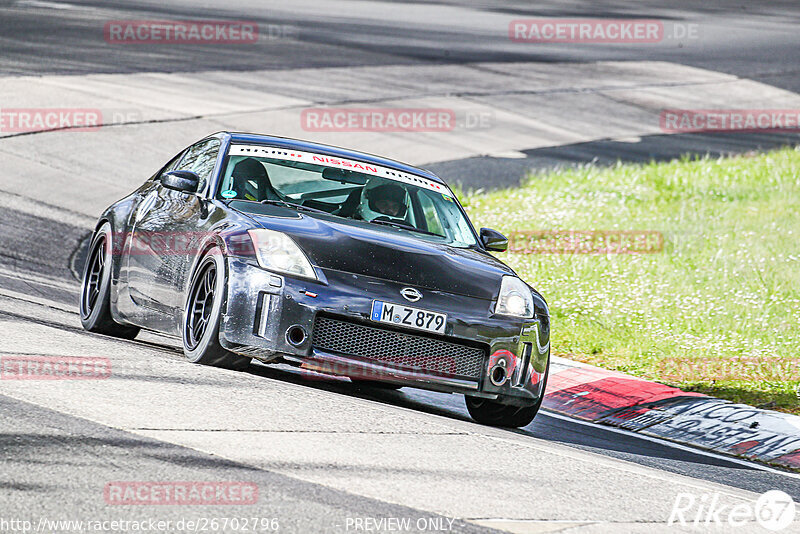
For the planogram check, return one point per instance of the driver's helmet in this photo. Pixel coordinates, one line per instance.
(382, 198)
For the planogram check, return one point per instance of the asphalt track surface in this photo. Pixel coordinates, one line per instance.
(756, 41)
(59, 448)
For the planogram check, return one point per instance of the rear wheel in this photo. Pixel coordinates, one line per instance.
(202, 315)
(95, 306)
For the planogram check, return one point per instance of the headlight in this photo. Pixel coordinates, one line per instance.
(276, 251)
(515, 298)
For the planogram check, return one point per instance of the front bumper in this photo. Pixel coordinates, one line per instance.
(263, 310)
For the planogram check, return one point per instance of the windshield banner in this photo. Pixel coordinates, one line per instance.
(259, 151)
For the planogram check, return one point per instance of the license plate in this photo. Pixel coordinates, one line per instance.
(397, 314)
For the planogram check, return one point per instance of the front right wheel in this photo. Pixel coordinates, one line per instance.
(202, 315)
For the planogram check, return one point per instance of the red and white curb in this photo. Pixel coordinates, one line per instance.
(652, 409)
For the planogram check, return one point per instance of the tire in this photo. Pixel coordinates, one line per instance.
(494, 413)
(95, 305)
(200, 329)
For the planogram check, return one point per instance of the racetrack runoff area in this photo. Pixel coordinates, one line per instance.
(499, 110)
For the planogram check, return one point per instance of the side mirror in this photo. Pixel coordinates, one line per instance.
(493, 240)
(183, 181)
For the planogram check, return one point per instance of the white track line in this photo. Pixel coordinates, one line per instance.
(41, 280)
(41, 209)
(47, 303)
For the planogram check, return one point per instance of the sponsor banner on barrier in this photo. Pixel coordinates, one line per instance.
(591, 393)
(615, 399)
(635, 418)
(791, 460)
(725, 427)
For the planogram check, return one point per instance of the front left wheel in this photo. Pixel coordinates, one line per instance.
(494, 413)
(202, 316)
(95, 305)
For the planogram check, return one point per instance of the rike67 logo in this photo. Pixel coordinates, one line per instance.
(774, 511)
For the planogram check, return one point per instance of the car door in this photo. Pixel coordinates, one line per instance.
(165, 233)
(134, 308)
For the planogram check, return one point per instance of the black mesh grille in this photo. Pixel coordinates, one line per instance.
(405, 351)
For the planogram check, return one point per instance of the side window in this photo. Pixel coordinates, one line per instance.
(201, 159)
(168, 167)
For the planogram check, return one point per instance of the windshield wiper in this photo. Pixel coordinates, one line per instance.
(403, 227)
(293, 205)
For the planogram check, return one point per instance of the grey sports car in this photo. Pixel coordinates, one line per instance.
(250, 246)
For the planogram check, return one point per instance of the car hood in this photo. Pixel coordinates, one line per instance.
(387, 253)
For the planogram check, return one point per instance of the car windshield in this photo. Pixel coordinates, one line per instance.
(346, 188)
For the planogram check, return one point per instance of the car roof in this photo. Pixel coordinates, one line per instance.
(329, 150)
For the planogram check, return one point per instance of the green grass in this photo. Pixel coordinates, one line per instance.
(717, 311)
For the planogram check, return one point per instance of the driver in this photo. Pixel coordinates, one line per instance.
(385, 200)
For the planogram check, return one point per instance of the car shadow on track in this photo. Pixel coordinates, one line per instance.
(406, 397)
(596, 438)
(579, 435)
